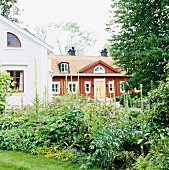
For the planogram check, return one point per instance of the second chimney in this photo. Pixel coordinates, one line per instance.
(72, 51)
(104, 53)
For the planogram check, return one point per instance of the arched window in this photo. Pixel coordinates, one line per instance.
(13, 40)
(99, 69)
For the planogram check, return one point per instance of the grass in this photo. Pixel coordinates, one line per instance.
(14, 160)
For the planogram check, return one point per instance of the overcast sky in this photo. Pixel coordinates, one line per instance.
(89, 14)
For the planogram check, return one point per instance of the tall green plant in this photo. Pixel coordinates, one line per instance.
(141, 95)
(36, 101)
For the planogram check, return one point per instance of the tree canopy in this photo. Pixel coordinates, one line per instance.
(141, 44)
(9, 9)
(63, 36)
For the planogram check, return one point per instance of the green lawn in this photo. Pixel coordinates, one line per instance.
(13, 160)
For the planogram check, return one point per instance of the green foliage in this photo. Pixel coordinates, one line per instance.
(91, 133)
(159, 112)
(118, 98)
(141, 45)
(156, 125)
(125, 99)
(10, 10)
(116, 144)
(63, 127)
(157, 158)
(60, 122)
(5, 82)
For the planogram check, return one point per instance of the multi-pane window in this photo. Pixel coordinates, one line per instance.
(64, 67)
(87, 86)
(13, 40)
(99, 69)
(72, 87)
(111, 86)
(18, 79)
(56, 87)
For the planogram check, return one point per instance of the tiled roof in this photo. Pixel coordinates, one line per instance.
(78, 62)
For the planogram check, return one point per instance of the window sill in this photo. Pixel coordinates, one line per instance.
(55, 93)
(18, 94)
(14, 48)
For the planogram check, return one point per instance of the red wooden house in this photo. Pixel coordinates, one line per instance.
(94, 76)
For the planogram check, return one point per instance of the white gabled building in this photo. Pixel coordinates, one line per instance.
(19, 50)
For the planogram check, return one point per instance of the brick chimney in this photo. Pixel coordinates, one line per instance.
(72, 51)
(104, 53)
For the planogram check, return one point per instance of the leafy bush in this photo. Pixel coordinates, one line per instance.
(66, 125)
(5, 82)
(61, 123)
(125, 100)
(159, 112)
(157, 158)
(115, 145)
(117, 98)
(156, 124)
(90, 132)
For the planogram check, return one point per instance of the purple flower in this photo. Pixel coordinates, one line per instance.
(59, 101)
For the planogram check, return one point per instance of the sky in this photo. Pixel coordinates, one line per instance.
(91, 15)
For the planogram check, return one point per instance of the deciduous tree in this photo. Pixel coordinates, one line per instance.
(141, 45)
(9, 9)
(63, 36)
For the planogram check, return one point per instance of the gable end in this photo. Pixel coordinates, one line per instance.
(91, 66)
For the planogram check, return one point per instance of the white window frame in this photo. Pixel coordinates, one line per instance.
(89, 83)
(64, 65)
(136, 90)
(56, 92)
(121, 90)
(111, 83)
(101, 69)
(76, 86)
